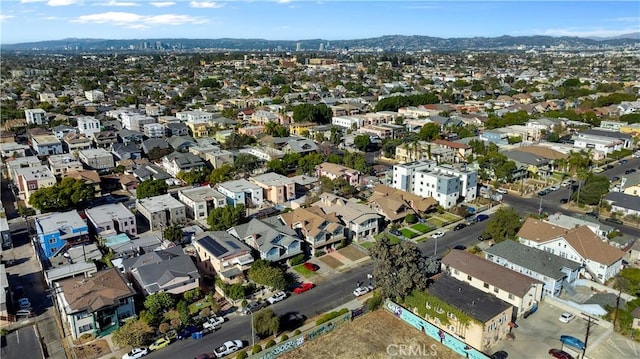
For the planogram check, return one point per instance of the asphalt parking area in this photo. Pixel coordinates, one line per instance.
(541, 332)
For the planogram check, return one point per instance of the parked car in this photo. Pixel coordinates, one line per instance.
(460, 247)
(566, 317)
(564, 200)
(544, 192)
(213, 323)
(437, 234)
(559, 354)
(303, 288)
(566, 183)
(227, 348)
(554, 188)
(136, 353)
(277, 297)
(501, 354)
(482, 217)
(502, 191)
(484, 237)
(395, 232)
(159, 343)
(614, 220)
(592, 214)
(311, 266)
(630, 170)
(187, 331)
(254, 306)
(615, 179)
(459, 226)
(621, 162)
(360, 291)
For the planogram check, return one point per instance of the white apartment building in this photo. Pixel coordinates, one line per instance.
(88, 125)
(112, 217)
(242, 192)
(94, 95)
(201, 200)
(347, 121)
(97, 159)
(35, 116)
(194, 116)
(46, 145)
(263, 153)
(153, 130)
(135, 121)
(162, 211)
(60, 165)
(602, 140)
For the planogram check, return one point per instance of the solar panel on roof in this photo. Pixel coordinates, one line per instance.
(233, 244)
(213, 246)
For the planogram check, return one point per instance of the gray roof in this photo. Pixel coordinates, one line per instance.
(624, 200)
(154, 270)
(121, 148)
(473, 302)
(61, 221)
(299, 145)
(605, 133)
(181, 141)
(268, 233)
(525, 157)
(536, 260)
(151, 171)
(148, 145)
(221, 244)
(185, 160)
(151, 258)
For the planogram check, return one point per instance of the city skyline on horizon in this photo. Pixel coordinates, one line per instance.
(293, 20)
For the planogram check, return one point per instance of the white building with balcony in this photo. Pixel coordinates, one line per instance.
(88, 126)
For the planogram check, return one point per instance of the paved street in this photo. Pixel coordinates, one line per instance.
(22, 343)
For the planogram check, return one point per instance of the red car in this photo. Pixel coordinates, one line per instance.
(303, 288)
(311, 266)
(559, 354)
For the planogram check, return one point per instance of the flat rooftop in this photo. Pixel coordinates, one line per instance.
(160, 203)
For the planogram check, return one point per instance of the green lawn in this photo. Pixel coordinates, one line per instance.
(408, 233)
(449, 217)
(198, 306)
(421, 227)
(435, 222)
(366, 245)
(303, 271)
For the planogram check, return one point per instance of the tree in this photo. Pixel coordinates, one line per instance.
(221, 174)
(223, 218)
(266, 323)
(159, 302)
(67, 194)
(263, 272)
(151, 188)
(362, 142)
(194, 176)
(314, 113)
(503, 224)
(174, 234)
(246, 163)
(594, 188)
(157, 153)
(429, 132)
(400, 268)
(134, 333)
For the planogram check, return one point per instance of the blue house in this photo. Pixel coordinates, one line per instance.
(59, 231)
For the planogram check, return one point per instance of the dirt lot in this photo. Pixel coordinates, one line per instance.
(376, 335)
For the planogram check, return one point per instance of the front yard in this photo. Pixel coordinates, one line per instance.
(422, 228)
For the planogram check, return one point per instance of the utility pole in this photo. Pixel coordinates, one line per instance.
(590, 321)
(615, 315)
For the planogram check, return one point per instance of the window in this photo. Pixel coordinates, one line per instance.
(468, 277)
(510, 296)
(85, 328)
(52, 240)
(486, 285)
(496, 290)
(451, 316)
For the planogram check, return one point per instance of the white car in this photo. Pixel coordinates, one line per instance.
(566, 183)
(360, 291)
(502, 191)
(554, 188)
(227, 348)
(136, 353)
(279, 296)
(213, 323)
(438, 234)
(566, 317)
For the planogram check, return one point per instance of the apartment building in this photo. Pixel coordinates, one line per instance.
(194, 116)
(31, 179)
(334, 171)
(278, 189)
(60, 165)
(201, 200)
(89, 126)
(134, 121)
(97, 159)
(112, 217)
(45, 145)
(60, 230)
(242, 192)
(94, 95)
(162, 211)
(154, 130)
(36, 116)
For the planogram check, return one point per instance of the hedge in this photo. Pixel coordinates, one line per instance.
(331, 315)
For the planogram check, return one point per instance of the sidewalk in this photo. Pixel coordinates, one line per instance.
(448, 227)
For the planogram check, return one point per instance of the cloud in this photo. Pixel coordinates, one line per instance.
(136, 21)
(587, 33)
(117, 3)
(63, 2)
(205, 4)
(162, 3)
(30, 1)
(5, 17)
(626, 19)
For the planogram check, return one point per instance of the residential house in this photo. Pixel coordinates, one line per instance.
(462, 151)
(78, 261)
(600, 260)
(333, 171)
(223, 136)
(153, 130)
(169, 270)
(128, 136)
(12, 149)
(126, 152)
(394, 204)
(89, 177)
(631, 185)
(577, 220)
(242, 192)
(221, 254)
(104, 139)
(263, 153)
(88, 126)
(322, 231)
(273, 240)
(97, 305)
(60, 230)
(624, 203)
(36, 116)
(76, 142)
(162, 211)
(111, 217)
(60, 165)
(150, 144)
(517, 289)
(194, 116)
(20, 162)
(361, 221)
(181, 143)
(251, 130)
(484, 319)
(198, 129)
(176, 129)
(213, 154)
(555, 272)
(30, 179)
(201, 200)
(97, 159)
(45, 145)
(177, 162)
(278, 189)
(63, 130)
(301, 146)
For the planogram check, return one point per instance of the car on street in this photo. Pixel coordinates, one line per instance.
(187, 331)
(24, 303)
(482, 217)
(566, 183)
(592, 214)
(615, 179)
(501, 354)
(206, 356)
(554, 188)
(229, 347)
(484, 237)
(502, 191)
(460, 247)
(277, 297)
(566, 317)
(311, 266)
(559, 354)
(213, 323)
(437, 234)
(564, 200)
(614, 220)
(459, 226)
(360, 291)
(544, 192)
(630, 170)
(303, 288)
(159, 343)
(621, 162)
(253, 307)
(136, 353)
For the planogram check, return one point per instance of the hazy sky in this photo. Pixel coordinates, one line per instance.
(35, 20)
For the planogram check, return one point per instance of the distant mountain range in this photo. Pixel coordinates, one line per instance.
(389, 43)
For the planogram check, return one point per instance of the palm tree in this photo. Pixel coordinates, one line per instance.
(582, 174)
